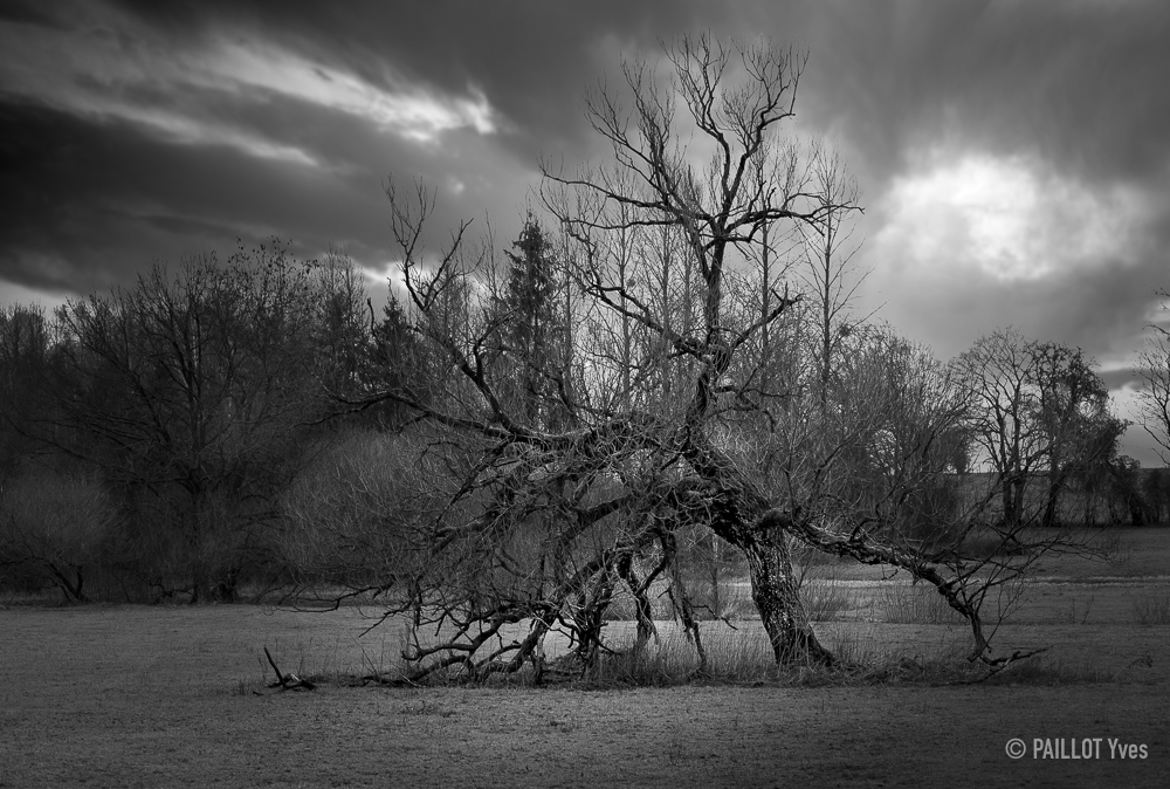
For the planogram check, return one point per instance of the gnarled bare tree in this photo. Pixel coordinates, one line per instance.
(667, 418)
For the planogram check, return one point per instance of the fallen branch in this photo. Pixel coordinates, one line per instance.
(287, 681)
(997, 665)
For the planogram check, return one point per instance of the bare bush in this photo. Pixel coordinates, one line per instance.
(53, 527)
(349, 513)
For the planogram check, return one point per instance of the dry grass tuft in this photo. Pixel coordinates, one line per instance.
(1152, 609)
(907, 604)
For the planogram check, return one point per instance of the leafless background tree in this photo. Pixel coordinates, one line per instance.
(1154, 397)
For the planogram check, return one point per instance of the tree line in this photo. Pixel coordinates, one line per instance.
(662, 374)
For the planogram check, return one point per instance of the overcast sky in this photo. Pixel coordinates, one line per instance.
(1013, 158)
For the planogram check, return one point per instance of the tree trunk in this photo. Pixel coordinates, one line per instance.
(1008, 502)
(71, 587)
(716, 597)
(774, 591)
(643, 612)
(1054, 487)
(199, 590)
(740, 513)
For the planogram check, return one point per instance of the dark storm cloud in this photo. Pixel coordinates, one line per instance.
(1121, 378)
(533, 60)
(1063, 100)
(1077, 82)
(165, 129)
(101, 200)
(29, 13)
(157, 154)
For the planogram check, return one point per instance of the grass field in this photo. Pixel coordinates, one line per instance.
(177, 696)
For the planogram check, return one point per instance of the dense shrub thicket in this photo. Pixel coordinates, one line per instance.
(151, 434)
